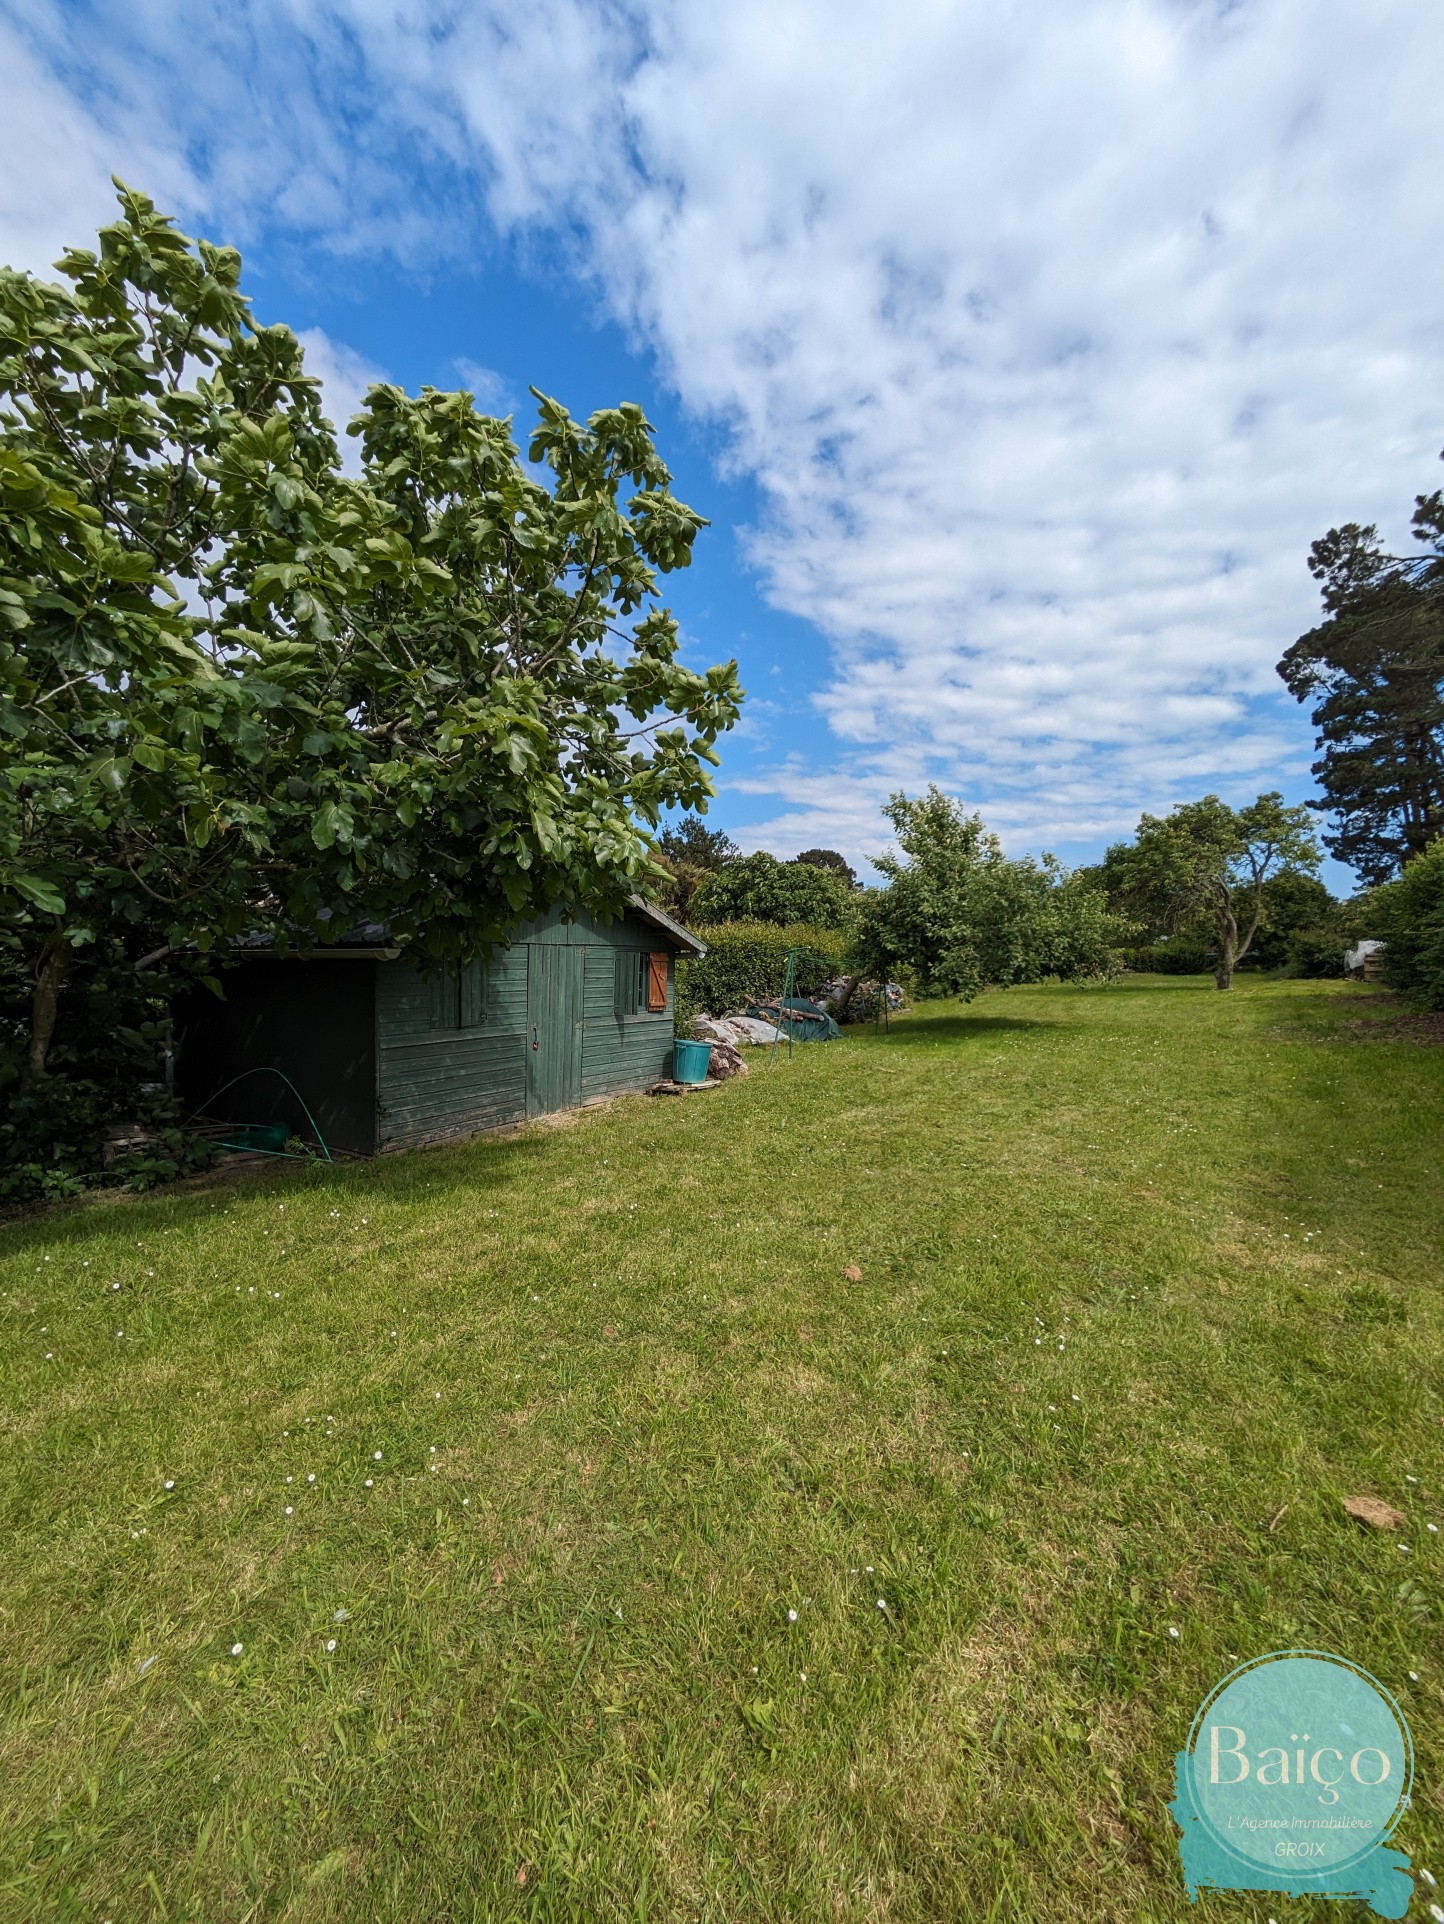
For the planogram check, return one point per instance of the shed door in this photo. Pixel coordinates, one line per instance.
(553, 1028)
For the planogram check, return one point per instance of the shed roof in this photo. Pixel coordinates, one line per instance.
(373, 939)
(684, 938)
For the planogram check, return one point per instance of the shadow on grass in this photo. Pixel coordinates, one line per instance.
(908, 1031)
(1151, 984)
(492, 1163)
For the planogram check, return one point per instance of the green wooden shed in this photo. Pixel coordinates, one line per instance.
(387, 1055)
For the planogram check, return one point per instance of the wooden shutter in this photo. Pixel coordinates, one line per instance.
(657, 982)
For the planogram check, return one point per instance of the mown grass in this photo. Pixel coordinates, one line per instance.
(1141, 1266)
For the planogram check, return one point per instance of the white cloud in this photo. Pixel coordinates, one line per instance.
(493, 395)
(1052, 335)
(55, 187)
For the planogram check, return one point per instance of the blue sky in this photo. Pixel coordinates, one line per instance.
(1016, 352)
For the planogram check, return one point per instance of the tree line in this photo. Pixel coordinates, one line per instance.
(955, 914)
(1206, 885)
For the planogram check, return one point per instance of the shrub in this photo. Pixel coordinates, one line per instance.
(107, 1066)
(1409, 915)
(52, 1142)
(1317, 954)
(1294, 906)
(746, 962)
(759, 888)
(1168, 958)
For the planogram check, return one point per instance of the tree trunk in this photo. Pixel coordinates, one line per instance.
(1227, 949)
(837, 1005)
(43, 1004)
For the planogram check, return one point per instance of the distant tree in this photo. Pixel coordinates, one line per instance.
(692, 842)
(759, 888)
(1212, 861)
(1374, 671)
(962, 916)
(685, 856)
(829, 858)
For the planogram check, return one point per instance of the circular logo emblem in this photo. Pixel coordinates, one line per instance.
(1299, 1762)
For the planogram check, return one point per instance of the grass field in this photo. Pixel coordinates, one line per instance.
(547, 1528)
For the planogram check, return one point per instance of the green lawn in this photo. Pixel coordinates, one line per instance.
(1141, 1266)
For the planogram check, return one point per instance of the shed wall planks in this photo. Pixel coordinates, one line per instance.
(453, 1085)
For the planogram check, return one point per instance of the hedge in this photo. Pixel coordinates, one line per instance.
(1174, 958)
(746, 962)
(1317, 954)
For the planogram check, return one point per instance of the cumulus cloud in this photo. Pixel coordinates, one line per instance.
(55, 188)
(491, 390)
(1052, 336)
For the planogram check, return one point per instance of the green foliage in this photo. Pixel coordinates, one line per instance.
(240, 691)
(759, 888)
(962, 916)
(1168, 958)
(1316, 954)
(747, 961)
(1207, 863)
(1409, 915)
(686, 855)
(1294, 904)
(1374, 670)
(107, 1066)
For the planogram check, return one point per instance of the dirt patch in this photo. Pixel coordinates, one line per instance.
(1390, 1019)
(1425, 1029)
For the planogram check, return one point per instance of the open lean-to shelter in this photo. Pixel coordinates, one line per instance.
(386, 1055)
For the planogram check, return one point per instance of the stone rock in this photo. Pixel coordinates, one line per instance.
(1379, 1516)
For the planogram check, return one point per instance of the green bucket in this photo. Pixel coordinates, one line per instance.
(690, 1061)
